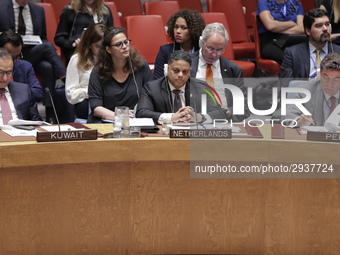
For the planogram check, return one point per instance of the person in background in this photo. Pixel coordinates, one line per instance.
(324, 94)
(184, 28)
(176, 97)
(27, 18)
(301, 61)
(79, 69)
(16, 100)
(23, 70)
(278, 19)
(76, 17)
(209, 65)
(333, 9)
(118, 77)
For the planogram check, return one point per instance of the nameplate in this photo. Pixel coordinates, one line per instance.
(323, 136)
(71, 135)
(201, 133)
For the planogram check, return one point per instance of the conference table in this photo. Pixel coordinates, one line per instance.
(138, 196)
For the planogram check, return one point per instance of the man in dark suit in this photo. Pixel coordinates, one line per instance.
(23, 70)
(208, 64)
(301, 61)
(176, 97)
(19, 100)
(325, 94)
(29, 19)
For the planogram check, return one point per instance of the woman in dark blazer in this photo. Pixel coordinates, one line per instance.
(76, 17)
(184, 28)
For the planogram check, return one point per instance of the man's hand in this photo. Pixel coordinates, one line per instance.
(304, 120)
(227, 111)
(182, 115)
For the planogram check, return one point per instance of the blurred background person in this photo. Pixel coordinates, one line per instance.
(118, 77)
(76, 17)
(80, 67)
(184, 28)
(333, 9)
(23, 70)
(278, 19)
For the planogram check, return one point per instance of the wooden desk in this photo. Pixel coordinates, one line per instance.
(135, 196)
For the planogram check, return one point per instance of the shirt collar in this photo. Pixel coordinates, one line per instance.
(336, 95)
(324, 48)
(182, 89)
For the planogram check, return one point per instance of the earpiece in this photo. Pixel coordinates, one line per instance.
(166, 68)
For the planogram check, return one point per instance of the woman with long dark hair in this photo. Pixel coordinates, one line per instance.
(118, 77)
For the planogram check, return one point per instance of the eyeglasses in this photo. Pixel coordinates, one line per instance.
(212, 50)
(8, 73)
(119, 45)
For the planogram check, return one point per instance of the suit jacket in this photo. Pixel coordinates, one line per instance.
(24, 73)
(296, 62)
(231, 74)
(7, 20)
(314, 105)
(156, 99)
(25, 104)
(163, 57)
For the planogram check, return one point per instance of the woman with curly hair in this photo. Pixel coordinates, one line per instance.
(117, 78)
(76, 17)
(79, 69)
(184, 28)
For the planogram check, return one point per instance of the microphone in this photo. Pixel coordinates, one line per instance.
(55, 111)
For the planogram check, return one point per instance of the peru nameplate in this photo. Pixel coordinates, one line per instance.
(323, 136)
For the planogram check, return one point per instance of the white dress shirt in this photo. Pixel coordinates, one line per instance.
(11, 105)
(26, 13)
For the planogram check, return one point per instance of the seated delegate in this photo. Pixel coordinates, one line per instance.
(118, 77)
(80, 67)
(184, 28)
(176, 97)
(277, 19)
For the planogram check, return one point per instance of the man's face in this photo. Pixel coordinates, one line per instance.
(330, 82)
(15, 51)
(213, 47)
(179, 73)
(6, 65)
(320, 31)
(22, 2)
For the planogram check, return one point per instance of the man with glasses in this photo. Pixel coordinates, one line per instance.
(175, 97)
(324, 94)
(23, 70)
(16, 100)
(208, 64)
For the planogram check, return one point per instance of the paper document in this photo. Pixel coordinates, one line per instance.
(55, 128)
(31, 39)
(15, 132)
(141, 122)
(19, 122)
(333, 121)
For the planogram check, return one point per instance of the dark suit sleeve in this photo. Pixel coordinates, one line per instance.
(62, 36)
(161, 59)
(146, 104)
(286, 68)
(109, 20)
(34, 84)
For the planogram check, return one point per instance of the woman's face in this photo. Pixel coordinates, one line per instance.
(120, 46)
(181, 31)
(95, 47)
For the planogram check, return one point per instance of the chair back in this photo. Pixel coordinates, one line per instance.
(128, 8)
(146, 33)
(164, 8)
(308, 5)
(190, 4)
(115, 14)
(58, 6)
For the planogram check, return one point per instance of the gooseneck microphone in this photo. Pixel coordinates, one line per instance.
(55, 111)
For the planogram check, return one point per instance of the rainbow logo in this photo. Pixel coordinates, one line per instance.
(209, 93)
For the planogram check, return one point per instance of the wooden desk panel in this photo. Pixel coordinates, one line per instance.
(136, 196)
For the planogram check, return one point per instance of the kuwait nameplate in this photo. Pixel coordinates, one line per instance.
(201, 133)
(323, 136)
(70, 135)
